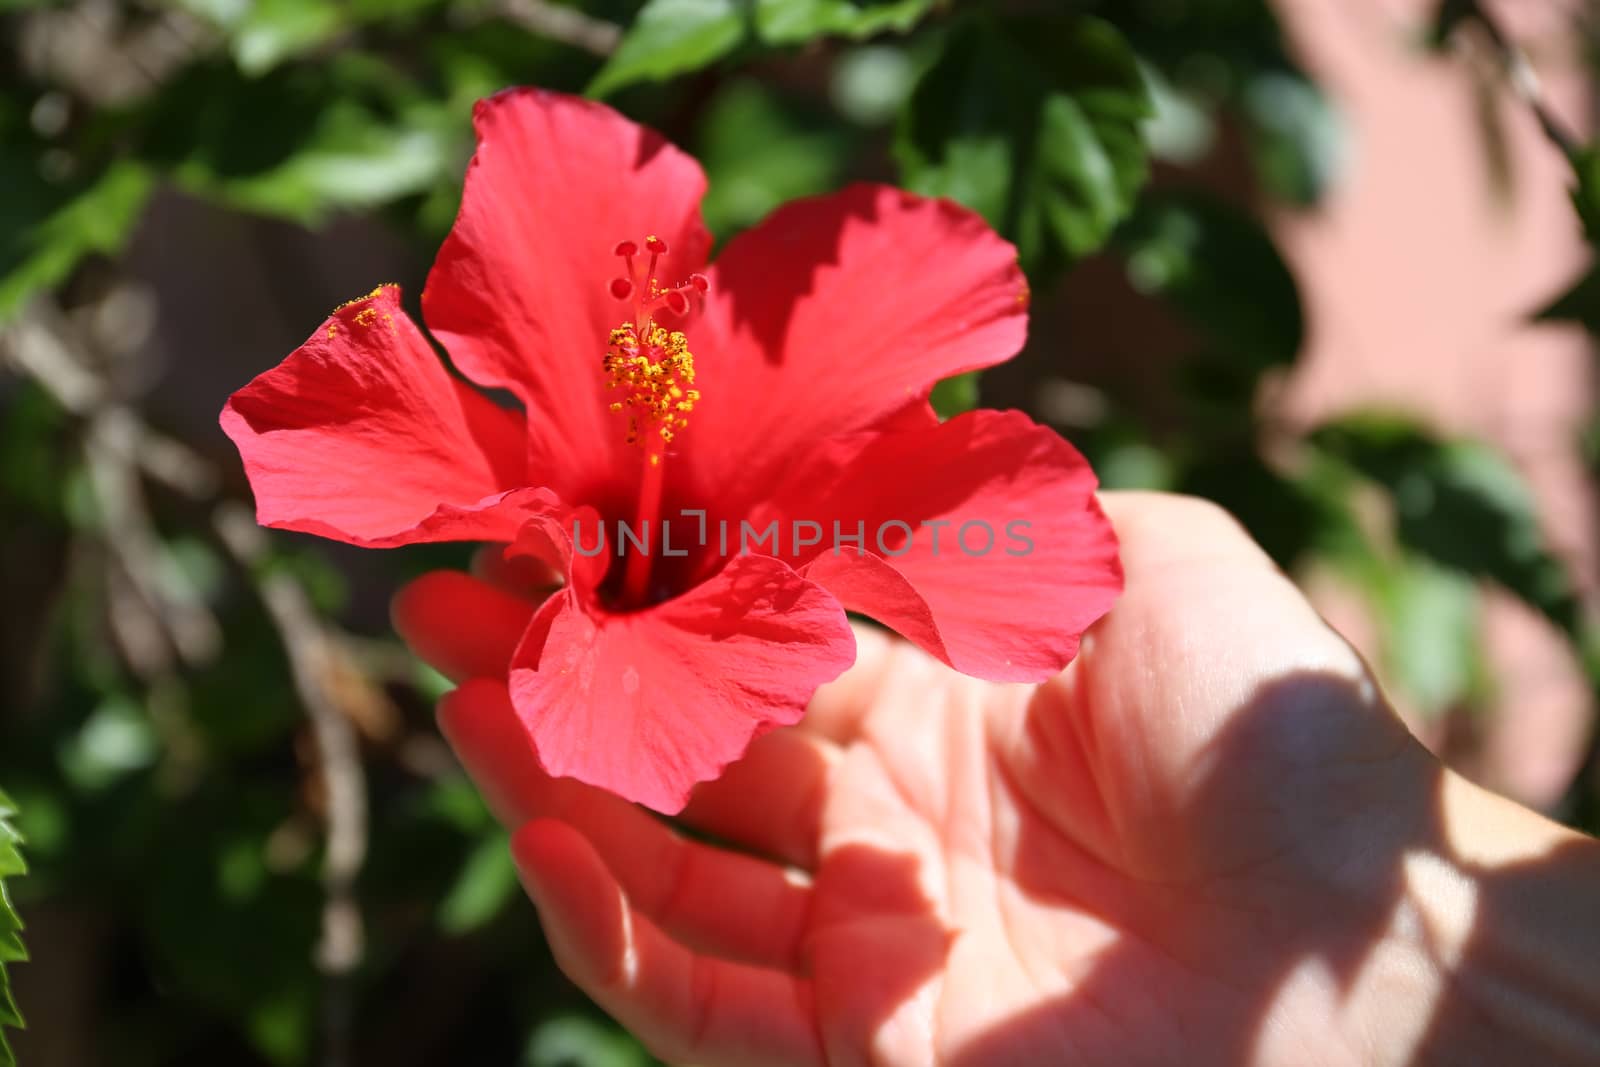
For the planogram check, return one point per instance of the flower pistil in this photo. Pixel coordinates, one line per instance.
(649, 363)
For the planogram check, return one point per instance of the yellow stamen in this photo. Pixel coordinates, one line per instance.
(654, 374)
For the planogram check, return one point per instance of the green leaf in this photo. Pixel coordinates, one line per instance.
(1432, 644)
(574, 1041)
(1580, 304)
(302, 143)
(272, 31)
(759, 150)
(780, 22)
(488, 881)
(1035, 124)
(1219, 268)
(1233, 55)
(1295, 137)
(952, 396)
(671, 37)
(1461, 505)
(11, 947)
(99, 219)
(1586, 193)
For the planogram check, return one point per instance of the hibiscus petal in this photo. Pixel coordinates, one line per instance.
(519, 293)
(361, 435)
(1023, 562)
(647, 704)
(834, 313)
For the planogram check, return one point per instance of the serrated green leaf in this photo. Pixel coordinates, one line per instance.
(671, 37)
(1460, 504)
(780, 22)
(1035, 124)
(11, 949)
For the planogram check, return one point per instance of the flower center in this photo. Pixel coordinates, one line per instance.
(654, 370)
(650, 364)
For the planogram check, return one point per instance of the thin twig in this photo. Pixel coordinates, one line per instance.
(155, 620)
(1518, 68)
(309, 646)
(565, 24)
(109, 448)
(119, 445)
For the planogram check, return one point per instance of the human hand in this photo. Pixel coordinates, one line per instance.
(1208, 840)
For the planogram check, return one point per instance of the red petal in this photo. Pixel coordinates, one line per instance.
(836, 311)
(549, 537)
(1011, 614)
(520, 293)
(363, 436)
(647, 704)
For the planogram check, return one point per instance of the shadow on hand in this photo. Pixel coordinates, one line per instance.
(1316, 848)
(876, 940)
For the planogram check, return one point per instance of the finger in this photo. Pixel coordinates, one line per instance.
(1211, 653)
(462, 626)
(522, 575)
(482, 727)
(770, 801)
(714, 900)
(1205, 609)
(685, 1006)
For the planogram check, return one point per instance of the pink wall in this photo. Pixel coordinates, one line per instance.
(1419, 272)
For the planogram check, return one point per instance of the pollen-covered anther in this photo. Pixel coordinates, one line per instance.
(654, 375)
(651, 365)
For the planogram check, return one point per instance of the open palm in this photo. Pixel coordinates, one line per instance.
(1186, 848)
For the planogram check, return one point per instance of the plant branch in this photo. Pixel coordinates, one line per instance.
(310, 649)
(1514, 62)
(118, 446)
(565, 24)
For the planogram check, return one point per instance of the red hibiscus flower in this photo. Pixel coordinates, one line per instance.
(763, 425)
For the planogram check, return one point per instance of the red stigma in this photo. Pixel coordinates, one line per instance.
(644, 288)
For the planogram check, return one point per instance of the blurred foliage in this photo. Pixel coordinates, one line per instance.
(172, 801)
(1034, 123)
(11, 948)
(1461, 505)
(672, 37)
(1579, 304)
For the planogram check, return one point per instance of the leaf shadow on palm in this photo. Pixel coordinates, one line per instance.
(1283, 926)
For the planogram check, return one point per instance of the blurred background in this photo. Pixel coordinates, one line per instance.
(1324, 261)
